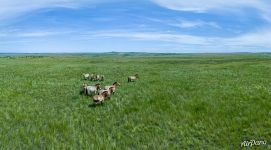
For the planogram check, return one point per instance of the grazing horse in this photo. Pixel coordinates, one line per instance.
(112, 87)
(88, 90)
(133, 78)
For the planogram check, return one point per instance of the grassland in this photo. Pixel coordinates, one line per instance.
(181, 101)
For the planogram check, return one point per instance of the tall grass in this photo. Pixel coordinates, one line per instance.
(184, 101)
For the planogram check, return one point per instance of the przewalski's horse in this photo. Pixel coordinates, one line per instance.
(112, 87)
(100, 98)
(85, 76)
(133, 78)
(89, 90)
(97, 77)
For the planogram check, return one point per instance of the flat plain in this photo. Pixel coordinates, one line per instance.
(197, 101)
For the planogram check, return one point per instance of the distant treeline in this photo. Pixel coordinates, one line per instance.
(42, 55)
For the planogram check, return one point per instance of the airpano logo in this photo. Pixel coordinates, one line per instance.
(251, 143)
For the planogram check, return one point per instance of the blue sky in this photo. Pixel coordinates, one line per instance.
(179, 26)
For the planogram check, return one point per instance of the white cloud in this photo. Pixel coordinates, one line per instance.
(11, 8)
(261, 38)
(257, 39)
(184, 23)
(32, 34)
(40, 34)
(194, 24)
(152, 36)
(202, 6)
(263, 6)
(188, 24)
(252, 42)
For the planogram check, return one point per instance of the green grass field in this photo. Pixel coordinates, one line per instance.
(180, 101)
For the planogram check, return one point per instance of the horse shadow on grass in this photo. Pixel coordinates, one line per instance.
(93, 105)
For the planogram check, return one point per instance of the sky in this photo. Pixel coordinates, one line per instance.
(156, 26)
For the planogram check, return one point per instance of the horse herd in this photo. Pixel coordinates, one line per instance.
(98, 93)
